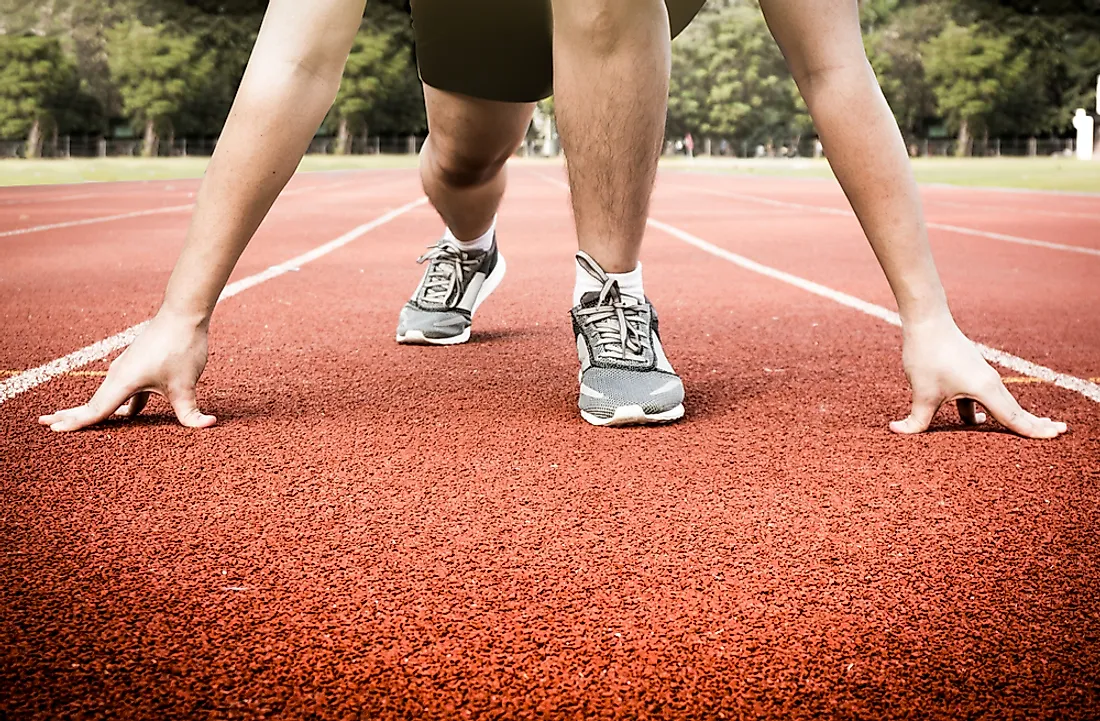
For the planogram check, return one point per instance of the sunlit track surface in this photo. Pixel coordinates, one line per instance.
(391, 532)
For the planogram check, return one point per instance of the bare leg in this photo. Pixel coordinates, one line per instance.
(462, 162)
(611, 73)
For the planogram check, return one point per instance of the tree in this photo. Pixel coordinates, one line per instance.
(973, 72)
(34, 75)
(895, 50)
(156, 74)
(372, 64)
(730, 79)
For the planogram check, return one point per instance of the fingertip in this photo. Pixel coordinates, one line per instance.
(58, 427)
(46, 420)
(197, 419)
(905, 428)
(980, 418)
(1062, 427)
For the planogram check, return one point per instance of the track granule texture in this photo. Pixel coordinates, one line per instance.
(375, 531)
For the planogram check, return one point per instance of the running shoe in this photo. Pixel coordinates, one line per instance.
(455, 283)
(625, 377)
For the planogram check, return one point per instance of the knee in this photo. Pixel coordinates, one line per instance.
(463, 170)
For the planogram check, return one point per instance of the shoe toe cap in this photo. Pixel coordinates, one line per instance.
(605, 389)
(432, 324)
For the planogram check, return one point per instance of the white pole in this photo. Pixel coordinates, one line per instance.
(1084, 125)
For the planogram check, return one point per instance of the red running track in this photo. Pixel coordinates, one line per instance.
(375, 531)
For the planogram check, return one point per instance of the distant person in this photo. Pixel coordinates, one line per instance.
(689, 145)
(607, 62)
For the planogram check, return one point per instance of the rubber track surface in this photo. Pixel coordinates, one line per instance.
(376, 531)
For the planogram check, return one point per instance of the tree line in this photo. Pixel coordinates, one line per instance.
(170, 68)
(166, 68)
(965, 68)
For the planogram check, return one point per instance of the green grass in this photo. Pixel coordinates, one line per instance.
(1065, 174)
(1031, 173)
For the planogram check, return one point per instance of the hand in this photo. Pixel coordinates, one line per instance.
(943, 365)
(167, 359)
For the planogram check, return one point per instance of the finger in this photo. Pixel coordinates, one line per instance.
(969, 413)
(186, 406)
(1004, 407)
(135, 405)
(919, 418)
(110, 396)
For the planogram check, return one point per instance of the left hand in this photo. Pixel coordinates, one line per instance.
(943, 365)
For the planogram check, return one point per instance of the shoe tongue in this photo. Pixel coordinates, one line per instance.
(592, 298)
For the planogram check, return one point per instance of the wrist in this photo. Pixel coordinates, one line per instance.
(182, 314)
(923, 305)
(925, 315)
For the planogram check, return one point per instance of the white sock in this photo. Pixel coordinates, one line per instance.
(630, 284)
(481, 244)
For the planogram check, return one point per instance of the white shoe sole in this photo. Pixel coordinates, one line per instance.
(416, 337)
(635, 416)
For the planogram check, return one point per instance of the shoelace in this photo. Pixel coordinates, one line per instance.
(446, 273)
(621, 330)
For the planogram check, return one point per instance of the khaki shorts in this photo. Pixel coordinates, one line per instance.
(498, 49)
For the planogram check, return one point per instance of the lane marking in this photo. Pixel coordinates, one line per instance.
(937, 226)
(93, 221)
(1089, 389)
(1085, 194)
(35, 377)
(48, 199)
(1030, 211)
(153, 211)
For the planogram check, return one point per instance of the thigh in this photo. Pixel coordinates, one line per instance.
(489, 49)
(475, 130)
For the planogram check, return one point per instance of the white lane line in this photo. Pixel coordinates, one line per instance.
(156, 211)
(1016, 191)
(1006, 209)
(937, 226)
(1084, 194)
(35, 377)
(31, 200)
(93, 221)
(1086, 388)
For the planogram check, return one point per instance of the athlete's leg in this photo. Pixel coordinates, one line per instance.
(611, 73)
(462, 164)
(462, 168)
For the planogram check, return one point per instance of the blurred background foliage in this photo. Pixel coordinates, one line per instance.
(159, 69)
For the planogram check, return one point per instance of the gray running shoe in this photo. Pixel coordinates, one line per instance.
(453, 286)
(625, 377)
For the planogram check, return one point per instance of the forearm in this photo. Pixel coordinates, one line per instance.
(870, 161)
(273, 119)
(291, 81)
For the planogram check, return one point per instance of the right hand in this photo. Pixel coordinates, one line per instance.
(167, 359)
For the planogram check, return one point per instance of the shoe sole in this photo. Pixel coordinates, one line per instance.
(417, 337)
(635, 416)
